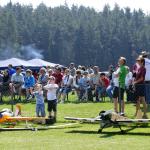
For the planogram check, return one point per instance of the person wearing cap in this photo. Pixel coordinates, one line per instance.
(140, 87)
(17, 80)
(29, 82)
(51, 88)
(119, 85)
(145, 55)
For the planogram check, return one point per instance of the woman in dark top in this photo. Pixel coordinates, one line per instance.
(6, 78)
(140, 87)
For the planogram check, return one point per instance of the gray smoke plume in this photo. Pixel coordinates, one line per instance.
(24, 52)
(31, 52)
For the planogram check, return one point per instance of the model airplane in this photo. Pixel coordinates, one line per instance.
(6, 115)
(109, 119)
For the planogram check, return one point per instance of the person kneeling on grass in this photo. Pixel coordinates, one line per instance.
(40, 107)
(51, 87)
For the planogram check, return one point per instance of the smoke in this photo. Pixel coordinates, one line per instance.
(30, 52)
(24, 52)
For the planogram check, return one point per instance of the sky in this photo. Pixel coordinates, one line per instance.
(97, 4)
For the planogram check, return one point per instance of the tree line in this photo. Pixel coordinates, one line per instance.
(77, 34)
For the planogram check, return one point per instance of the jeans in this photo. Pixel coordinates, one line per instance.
(40, 109)
(109, 91)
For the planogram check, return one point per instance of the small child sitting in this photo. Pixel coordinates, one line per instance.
(40, 107)
(51, 87)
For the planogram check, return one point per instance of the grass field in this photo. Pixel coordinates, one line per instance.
(78, 137)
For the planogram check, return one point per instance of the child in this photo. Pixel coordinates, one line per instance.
(51, 97)
(40, 107)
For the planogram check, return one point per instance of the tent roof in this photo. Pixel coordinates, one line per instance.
(40, 63)
(15, 62)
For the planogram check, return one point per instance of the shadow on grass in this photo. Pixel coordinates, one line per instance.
(106, 134)
(82, 132)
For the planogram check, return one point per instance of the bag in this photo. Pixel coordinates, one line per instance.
(50, 121)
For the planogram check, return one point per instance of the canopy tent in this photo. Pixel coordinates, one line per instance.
(15, 62)
(41, 63)
(34, 63)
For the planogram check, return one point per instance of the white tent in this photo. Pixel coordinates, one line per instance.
(15, 62)
(41, 63)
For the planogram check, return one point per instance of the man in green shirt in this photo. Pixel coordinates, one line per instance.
(119, 85)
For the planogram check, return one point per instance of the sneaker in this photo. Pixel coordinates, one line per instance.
(121, 114)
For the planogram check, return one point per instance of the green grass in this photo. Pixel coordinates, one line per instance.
(79, 137)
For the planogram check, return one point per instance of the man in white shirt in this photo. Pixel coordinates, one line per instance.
(17, 81)
(147, 76)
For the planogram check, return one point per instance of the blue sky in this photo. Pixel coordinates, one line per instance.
(97, 4)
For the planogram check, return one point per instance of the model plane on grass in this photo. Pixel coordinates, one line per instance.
(7, 117)
(109, 119)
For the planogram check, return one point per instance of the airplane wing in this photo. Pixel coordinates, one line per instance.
(133, 121)
(24, 118)
(90, 120)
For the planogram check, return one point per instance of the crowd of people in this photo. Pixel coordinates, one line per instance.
(53, 84)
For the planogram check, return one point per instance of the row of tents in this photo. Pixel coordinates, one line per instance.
(33, 63)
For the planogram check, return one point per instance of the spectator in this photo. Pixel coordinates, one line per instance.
(58, 76)
(109, 89)
(6, 78)
(43, 77)
(1, 85)
(105, 83)
(40, 107)
(50, 72)
(77, 83)
(72, 69)
(29, 82)
(119, 85)
(5, 83)
(140, 87)
(86, 85)
(11, 70)
(51, 87)
(17, 81)
(128, 85)
(90, 70)
(67, 82)
(147, 76)
(95, 84)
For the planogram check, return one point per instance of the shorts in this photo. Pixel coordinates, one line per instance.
(65, 90)
(52, 105)
(116, 92)
(140, 90)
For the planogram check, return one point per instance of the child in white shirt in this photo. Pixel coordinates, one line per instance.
(51, 88)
